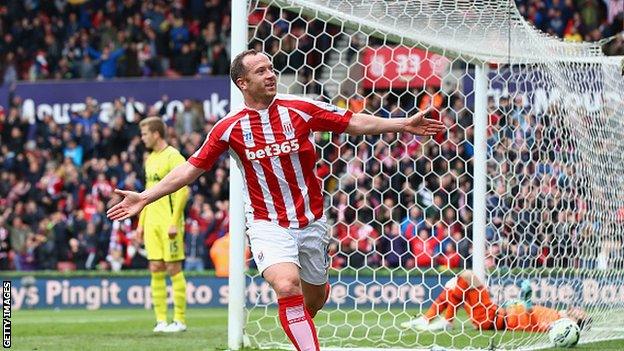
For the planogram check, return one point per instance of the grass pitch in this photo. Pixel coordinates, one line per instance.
(131, 329)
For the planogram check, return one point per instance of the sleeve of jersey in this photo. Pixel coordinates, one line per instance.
(211, 149)
(326, 117)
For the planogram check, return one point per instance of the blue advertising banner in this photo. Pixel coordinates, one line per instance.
(537, 90)
(106, 292)
(61, 98)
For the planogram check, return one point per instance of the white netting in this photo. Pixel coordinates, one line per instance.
(402, 207)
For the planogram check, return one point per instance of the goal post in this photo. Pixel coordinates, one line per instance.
(236, 277)
(480, 170)
(525, 186)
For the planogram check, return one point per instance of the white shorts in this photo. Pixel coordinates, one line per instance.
(305, 247)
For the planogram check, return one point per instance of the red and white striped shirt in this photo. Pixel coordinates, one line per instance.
(274, 149)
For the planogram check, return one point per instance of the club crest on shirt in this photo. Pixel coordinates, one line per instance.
(260, 256)
(288, 128)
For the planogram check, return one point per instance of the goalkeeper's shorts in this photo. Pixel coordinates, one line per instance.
(305, 247)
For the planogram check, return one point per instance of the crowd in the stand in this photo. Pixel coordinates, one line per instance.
(393, 200)
(57, 181)
(106, 38)
(399, 201)
(578, 20)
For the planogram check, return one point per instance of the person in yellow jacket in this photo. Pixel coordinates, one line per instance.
(161, 226)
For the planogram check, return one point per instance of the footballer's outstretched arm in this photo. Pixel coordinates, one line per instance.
(134, 202)
(364, 124)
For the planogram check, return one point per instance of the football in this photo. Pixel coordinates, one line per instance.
(564, 333)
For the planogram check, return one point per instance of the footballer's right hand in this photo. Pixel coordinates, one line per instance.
(128, 207)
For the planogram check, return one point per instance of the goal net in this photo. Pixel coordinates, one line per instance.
(525, 185)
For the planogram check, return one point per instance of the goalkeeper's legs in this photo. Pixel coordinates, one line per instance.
(466, 289)
(446, 303)
(293, 313)
(483, 313)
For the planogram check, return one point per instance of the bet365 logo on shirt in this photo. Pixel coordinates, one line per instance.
(275, 149)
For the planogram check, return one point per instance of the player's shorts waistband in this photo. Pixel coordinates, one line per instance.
(292, 225)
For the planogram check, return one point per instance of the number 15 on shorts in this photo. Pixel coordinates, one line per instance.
(173, 247)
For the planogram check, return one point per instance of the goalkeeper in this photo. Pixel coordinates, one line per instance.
(468, 290)
(161, 224)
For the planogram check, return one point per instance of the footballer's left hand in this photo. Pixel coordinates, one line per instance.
(131, 204)
(173, 231)
(419, 125)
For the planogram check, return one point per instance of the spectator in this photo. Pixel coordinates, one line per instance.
(194, 248)
(423, 247)
(189, 121)
(108, 60)
(78, 253)
(179, 35)
(136, 255)
(91, 244)
(74, 152)
(45, 252)
(221, 61)
(5, 248)
(449, 257)
(220, 255)
(60, 236)
(393, 247)
(185, 61)
(19, 235)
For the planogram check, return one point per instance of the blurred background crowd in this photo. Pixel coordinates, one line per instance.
(57, 182)
(579, 20)
(103, 39)
(395, 201)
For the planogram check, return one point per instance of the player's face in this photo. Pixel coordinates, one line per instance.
(148, 137)
(260, 81)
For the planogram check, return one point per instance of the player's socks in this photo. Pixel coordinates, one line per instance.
(179, 297)
(297, 323)
(159, 295)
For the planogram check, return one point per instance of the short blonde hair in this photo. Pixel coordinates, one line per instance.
(154, 124)
(238, 69)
